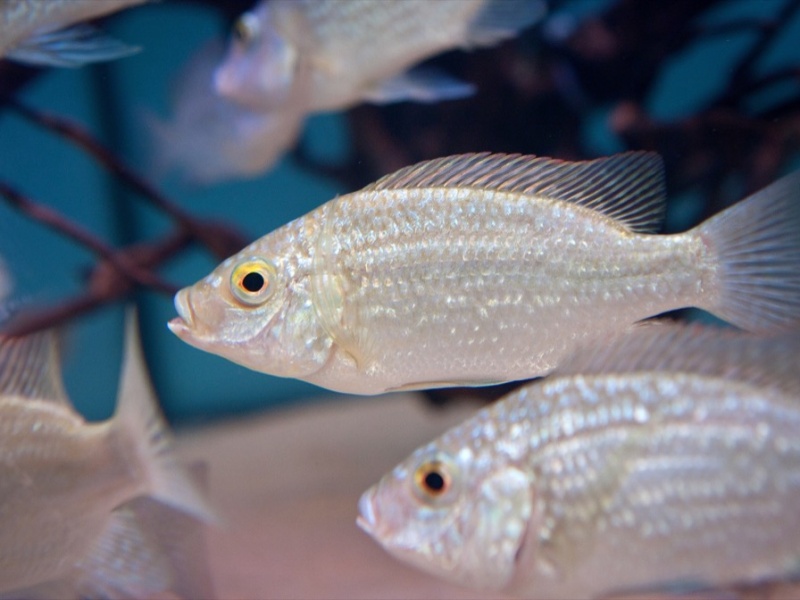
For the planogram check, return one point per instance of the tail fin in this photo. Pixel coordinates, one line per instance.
(147, 549)
(757, 242)
(139, 420)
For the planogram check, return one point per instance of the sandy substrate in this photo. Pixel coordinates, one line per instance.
(287, 485)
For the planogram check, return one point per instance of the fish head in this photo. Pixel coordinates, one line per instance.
(259, 67)
(454, 513)
(255, 309)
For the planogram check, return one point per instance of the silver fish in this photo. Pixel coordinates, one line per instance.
(209, 138)
(360, 49)
(476, 269)
(63, 481)
(47, 32)
(479, 269)
(669, 459)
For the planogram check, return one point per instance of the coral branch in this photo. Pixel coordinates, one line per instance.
(107, 284)
(57, 222)
(221, 240)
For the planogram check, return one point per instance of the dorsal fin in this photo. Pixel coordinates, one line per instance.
(30, 367)
(627, 187)
(764, 361)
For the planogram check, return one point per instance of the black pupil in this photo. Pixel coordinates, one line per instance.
(434, 481)
(253, 282)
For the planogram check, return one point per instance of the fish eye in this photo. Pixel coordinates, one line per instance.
(432, 479)
(246, 28)
(253, 281)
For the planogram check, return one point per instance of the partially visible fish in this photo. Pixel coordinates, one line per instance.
(210, 138)
(147, 550)
(47, 32)
(482, 268)
(667, 460)
(360, 50)
(64, 482)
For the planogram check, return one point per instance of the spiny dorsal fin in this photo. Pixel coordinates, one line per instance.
(627, 187)
(30, 367)
(763, 361)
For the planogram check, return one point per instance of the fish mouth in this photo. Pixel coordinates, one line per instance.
(183, 324)
(367, 519)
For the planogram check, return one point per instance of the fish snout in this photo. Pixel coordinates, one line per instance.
(183, 324)
(367, 518)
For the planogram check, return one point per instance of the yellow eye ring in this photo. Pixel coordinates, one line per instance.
(253, 281)
(432, 479)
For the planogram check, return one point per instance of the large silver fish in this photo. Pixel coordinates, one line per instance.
(66, 486)
(44, 32)
(360, 49)
(476, 269)
(667, 460)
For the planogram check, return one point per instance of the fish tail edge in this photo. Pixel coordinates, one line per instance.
(756, 247)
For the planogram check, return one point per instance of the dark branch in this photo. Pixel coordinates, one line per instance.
(57, 222)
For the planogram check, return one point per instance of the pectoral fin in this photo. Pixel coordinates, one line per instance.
(71, 47)
(419, 85)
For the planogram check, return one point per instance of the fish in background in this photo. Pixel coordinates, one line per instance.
(234, 117)
(360, 50)
(483, 268)
(73, 521)
(666, 460)
(210, 138)
(51, 32)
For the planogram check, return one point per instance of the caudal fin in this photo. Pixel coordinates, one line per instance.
(139, 420)
(757, 242)
(146, 550)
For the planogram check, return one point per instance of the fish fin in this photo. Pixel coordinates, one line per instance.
(419, 85)
(139, 419)
(499, 20)
(148, 548)
(762, 361)
(71, 47)
(60, 589)
(627, 187)
(429, 385)
(30, 367)
(756, 244)
(160, 139)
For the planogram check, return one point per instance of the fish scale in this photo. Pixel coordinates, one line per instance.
(635, 477)
(410, 276)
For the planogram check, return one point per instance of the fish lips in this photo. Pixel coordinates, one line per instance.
(183, 325)
(367, 519)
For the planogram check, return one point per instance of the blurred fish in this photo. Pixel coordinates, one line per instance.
(210, 138)
(667, 460)
(148, 550)
(360, 50)
(38, 32)
(478, 269)
(61, 479)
